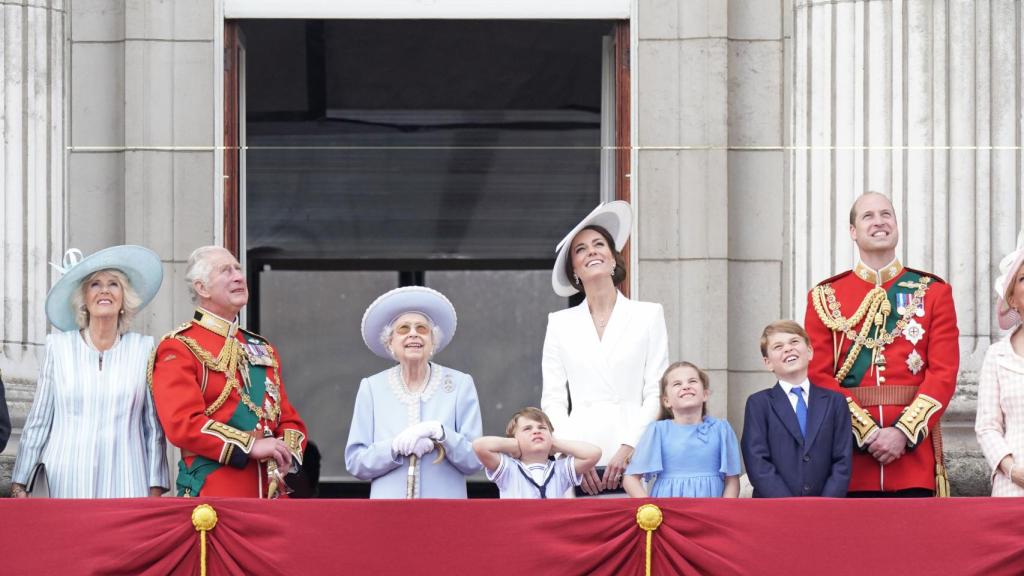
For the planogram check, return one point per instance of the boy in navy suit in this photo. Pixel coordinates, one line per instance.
(796, 436)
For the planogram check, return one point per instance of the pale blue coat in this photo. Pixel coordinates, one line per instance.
(384, 408)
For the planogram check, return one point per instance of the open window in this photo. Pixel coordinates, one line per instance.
(452, 154)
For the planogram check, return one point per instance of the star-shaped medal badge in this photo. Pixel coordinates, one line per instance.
(913, 333)
(914, 362)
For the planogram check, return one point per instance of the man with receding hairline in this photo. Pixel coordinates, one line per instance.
(885, 336)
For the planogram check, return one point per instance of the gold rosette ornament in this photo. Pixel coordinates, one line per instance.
(648, 518)
(204, 518)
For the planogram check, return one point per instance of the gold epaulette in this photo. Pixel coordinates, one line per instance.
(914, 420)
(152, 355)
(863, 424)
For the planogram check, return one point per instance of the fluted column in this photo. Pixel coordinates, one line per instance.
(920, 100)
(32, 175)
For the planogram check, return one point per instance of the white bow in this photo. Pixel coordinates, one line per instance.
(71, 258)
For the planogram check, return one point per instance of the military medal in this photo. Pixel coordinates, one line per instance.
(913, 332)
(273, 389)
(258, 354)
(914, 362)
(902, 301)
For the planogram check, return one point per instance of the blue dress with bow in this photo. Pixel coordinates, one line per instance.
(688, 460)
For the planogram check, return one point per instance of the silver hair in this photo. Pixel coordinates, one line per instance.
(130, 301)
(389, 329)
(199, 269)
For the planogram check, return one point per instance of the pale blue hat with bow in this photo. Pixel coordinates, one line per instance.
(141, 266)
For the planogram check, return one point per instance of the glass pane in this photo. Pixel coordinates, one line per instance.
(413, 140)
(312, 319)
(502, 319)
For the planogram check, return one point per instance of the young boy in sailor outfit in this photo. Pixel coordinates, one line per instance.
(521, 465)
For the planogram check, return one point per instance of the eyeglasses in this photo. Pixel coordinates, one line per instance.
(421, 329)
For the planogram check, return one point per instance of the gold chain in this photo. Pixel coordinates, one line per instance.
(876, 307)
(227, 363)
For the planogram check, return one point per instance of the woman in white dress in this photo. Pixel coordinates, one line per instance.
(604, 357)
(92, 426)
(1000, 419)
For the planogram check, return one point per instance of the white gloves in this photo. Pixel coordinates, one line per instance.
(423, 446)
(406, 442)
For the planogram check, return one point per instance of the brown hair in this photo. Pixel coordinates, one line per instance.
(532, 413)
(620, 263)
(782, 327)
(666, 413)
(853, 209)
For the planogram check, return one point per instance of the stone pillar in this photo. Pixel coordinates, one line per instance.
(919, 100)
(711, 183)
(32, 201)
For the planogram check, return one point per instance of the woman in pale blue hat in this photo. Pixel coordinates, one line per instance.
(92, 431)
(604, 357)
(414, 424)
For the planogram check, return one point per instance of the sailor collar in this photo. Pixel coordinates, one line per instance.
(878, 277)
(215, 323)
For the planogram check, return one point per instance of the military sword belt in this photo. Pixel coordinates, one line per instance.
(896, 396)
(883, 395)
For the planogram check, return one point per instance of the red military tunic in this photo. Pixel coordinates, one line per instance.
(189, 376)
(919, 348)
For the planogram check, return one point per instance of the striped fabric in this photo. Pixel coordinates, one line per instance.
(95, 430)
(1000, 420)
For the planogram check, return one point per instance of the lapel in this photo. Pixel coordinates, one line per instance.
(816, 408)
(784, 412)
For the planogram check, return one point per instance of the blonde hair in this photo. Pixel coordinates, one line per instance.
(531, 412)
(130, 300)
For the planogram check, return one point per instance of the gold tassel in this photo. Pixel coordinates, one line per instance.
(648, 517)
(204, 518)
(941, 482)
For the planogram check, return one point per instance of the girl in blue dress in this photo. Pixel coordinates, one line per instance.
(686, 453)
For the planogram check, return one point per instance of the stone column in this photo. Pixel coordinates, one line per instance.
(711, 183)
(32, 201)
(917, 99)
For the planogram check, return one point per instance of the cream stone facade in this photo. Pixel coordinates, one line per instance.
(755, 124)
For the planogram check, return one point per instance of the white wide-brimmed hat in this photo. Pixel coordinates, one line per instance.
(616, 217)
(1008, 317)
(141, 266)
(419, 299)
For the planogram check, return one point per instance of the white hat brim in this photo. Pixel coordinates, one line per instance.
(419, 299)
(141, 265)
(616, 217)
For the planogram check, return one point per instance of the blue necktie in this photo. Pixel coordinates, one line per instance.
(801, 408)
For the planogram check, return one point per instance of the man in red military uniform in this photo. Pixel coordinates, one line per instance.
(219, 395)
(886, 337)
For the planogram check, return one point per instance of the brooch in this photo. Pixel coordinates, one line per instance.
(449, 386)
(914, 362)
(913, 332)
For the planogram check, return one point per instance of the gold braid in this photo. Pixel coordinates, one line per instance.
(875, 306)
(227, 363)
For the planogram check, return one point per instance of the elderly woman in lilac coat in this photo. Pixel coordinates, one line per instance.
(417, 419)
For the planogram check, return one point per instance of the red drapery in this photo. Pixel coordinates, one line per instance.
(792, 536)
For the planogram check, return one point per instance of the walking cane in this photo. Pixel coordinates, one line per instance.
(410, 478)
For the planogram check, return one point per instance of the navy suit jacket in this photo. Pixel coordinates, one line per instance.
(780, 462)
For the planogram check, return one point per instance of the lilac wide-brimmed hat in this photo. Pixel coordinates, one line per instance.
(419, 299)
(616, 217)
